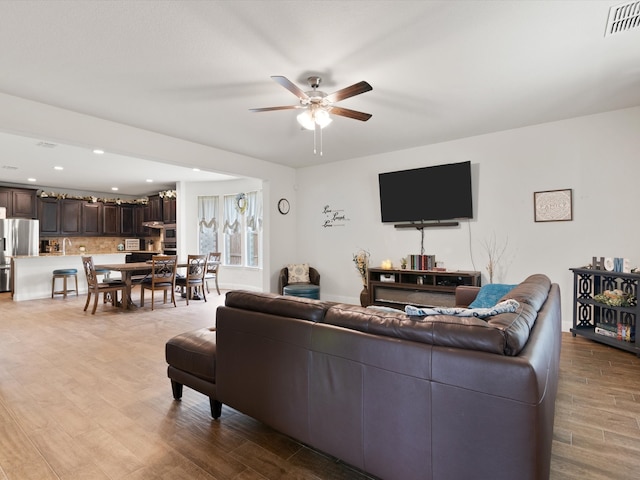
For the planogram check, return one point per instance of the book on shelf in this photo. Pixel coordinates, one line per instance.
(422, 262)
(605, 332)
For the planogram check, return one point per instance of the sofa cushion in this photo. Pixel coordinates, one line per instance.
(298, 273)
(490, 294)
(504, 334)
(534, 290)
(445, 330)
(284, 305)
(194, 352)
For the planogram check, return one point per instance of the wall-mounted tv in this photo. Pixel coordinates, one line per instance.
(440, 192)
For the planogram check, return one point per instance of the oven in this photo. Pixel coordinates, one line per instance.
(170, 239)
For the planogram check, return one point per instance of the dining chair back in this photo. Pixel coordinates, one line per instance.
(196, 270)
(213, 267)
(95, 287)
(162, 278)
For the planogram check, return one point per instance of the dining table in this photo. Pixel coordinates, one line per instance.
(127, 270)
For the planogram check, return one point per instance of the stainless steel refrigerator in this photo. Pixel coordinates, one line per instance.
(18, 236)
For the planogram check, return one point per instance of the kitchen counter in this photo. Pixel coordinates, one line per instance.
(32, 274)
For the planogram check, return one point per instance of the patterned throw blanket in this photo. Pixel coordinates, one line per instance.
(509, 305)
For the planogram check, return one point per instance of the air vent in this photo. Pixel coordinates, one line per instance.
(9, 167)
(46, 144)
(623, 17)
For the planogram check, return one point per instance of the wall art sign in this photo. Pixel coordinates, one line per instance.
(553, 205)
(611, 264)
(333, 217)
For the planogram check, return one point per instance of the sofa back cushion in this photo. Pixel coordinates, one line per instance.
(285, 306)
(504, 334)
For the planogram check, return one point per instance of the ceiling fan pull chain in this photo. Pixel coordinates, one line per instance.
(315, 129)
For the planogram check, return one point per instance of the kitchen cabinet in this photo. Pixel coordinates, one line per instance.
(111, 215)
(139, 214)
(91, 221)
(169, 210)
(127, 220)
(49, 216)
(70, 216)
(19, 202)
(154, 209)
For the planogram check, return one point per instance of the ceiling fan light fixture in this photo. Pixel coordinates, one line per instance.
(310, 118)
(305, 119)
(322, 118)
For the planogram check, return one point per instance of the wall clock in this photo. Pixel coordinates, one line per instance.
(283, 206)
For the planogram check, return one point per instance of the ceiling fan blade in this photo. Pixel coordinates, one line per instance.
(353, 90)
(270, 109)
(345, 112)
(292, 87)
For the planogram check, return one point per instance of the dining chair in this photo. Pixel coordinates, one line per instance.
(162, 277)
(94, 287)
(213, 266)
(196, 270)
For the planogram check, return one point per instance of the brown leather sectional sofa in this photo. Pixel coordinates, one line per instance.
(438, 397)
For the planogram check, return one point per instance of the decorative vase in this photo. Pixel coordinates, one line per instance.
(364, 297)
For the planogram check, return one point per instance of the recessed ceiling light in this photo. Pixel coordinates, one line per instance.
(149, 180)
(31, 179)
(196, 169)
(58, 168)
(98, 151)
(114, 188)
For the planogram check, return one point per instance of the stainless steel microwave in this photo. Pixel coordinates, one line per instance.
(170, 233)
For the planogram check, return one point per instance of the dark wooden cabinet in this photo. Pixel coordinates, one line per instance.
(169, 210)
(91, 219)
(111, 215)
(139, 214)
(75, 217)
(5, 199)
(127, 220)
(71, 217)
(19, 202)
(49, 216)
(154, 209)
(398, 288)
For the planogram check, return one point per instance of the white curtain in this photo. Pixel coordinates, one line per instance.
(231, 215)
(254, 210)
(207, 213)
(208, 224)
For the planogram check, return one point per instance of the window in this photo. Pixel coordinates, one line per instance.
(242, 230)
(208, 225)
(253, 228)
(232, 230)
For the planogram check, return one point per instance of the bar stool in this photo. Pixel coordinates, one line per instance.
(64, 274)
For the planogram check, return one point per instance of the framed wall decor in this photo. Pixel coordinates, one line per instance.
(553, 205)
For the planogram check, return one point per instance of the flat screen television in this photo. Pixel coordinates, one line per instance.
(440, 192)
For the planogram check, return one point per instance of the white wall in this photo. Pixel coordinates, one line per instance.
(596, 156)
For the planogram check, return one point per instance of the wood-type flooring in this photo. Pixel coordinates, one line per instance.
(86, 397)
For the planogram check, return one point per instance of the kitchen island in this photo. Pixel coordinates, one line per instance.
(32, 274)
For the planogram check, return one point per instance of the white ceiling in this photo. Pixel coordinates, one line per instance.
(440, 70)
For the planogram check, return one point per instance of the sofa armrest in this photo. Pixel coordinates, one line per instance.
(465, 295)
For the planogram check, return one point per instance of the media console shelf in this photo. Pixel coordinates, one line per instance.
(397, 288)
(591, 316)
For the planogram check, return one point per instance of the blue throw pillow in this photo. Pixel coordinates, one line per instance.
(489, 295)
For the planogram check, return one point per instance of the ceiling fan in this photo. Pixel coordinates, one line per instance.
(317, 105)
